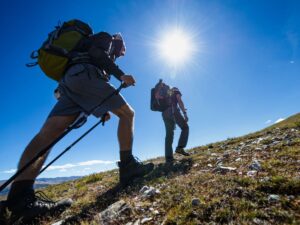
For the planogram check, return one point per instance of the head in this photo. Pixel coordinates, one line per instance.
(174, 89)
(118, 47)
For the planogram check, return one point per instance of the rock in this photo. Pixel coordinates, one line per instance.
(196, 202)
(214, 154)
(224, 170)
(114, 211)
(273, 198)
(209, 165)
(137, 222)
(258, 221)
(226, 155)
(255, 165)
(238, 159)
(251, 173)
(146, 219)
(58, 223)
(149, 192)
(155, 212)
(258, 149)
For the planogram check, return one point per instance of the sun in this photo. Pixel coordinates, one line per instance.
(175, 47)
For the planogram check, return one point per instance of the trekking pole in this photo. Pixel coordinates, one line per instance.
(76, 124)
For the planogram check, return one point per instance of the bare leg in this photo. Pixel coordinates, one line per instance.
(53, 127)
(126, 126)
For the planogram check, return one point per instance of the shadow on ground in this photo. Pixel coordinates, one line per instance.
(113, 194)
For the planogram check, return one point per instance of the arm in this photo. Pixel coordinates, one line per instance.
(101, 59)
(180, 103)
(181, 106)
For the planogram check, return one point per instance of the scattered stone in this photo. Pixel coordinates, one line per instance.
(258, 149)
(214, 154)
(251, 173)
(224, 170)
(255, 165)
(146, 219)
(149, 192)
(196, 202)
(258, 221)
(209, 165)
(238, 159)
(114, 211)
(273, 198)
(137, 222)
(226, 155)
(59, 222)
(155, 212)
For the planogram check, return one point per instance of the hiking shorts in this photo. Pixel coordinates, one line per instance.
(81, 89)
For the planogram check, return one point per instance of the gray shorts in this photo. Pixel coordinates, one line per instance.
(81, 89)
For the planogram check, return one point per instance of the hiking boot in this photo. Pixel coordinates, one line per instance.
(32, 205)
(169, 160)
(3, 213)
(133, 169)
(181, 151)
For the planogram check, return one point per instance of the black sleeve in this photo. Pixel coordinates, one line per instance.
(101, 59)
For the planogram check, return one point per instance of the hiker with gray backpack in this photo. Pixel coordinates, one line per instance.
(82, 63)
(168, 101)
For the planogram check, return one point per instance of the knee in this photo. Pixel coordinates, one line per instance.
(126, 112)
(185, 128)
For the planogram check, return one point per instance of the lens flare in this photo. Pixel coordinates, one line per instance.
(175, 47)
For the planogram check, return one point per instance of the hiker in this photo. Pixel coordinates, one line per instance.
(84, 84)
(171, 98)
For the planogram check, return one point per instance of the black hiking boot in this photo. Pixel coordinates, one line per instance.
(169, 160)
(181, 151)
(133, 169)
(32, 206)
(4, 217)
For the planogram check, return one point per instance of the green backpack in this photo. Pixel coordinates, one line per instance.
(55, 53)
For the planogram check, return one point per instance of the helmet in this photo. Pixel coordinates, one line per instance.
(118, 47)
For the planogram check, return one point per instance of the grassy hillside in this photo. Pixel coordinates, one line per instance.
(254, 179)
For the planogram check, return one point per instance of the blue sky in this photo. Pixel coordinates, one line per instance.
(243, 76)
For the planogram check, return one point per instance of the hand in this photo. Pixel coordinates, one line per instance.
(106, 116)
(128, 80)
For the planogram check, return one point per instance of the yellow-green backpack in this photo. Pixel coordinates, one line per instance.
(55, 53)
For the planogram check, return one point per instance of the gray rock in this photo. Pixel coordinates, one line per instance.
(224, 170)
(146, 219)
(58, 223)
(255, 165)
(114, 211)
(238, 159)
(251, 173)
(273, 198)
(137, 222)
(196, 202)
(258, 221)
(149, 192)
(226, 155)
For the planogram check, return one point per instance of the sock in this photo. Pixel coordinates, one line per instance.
(19, 189)
(126, 156)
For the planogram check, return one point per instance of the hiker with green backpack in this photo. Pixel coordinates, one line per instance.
(168, 101)
(81, 62)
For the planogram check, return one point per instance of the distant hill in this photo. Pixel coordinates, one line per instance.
(43, 182)
(253, 179)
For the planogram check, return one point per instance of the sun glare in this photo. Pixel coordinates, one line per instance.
(175, 47)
